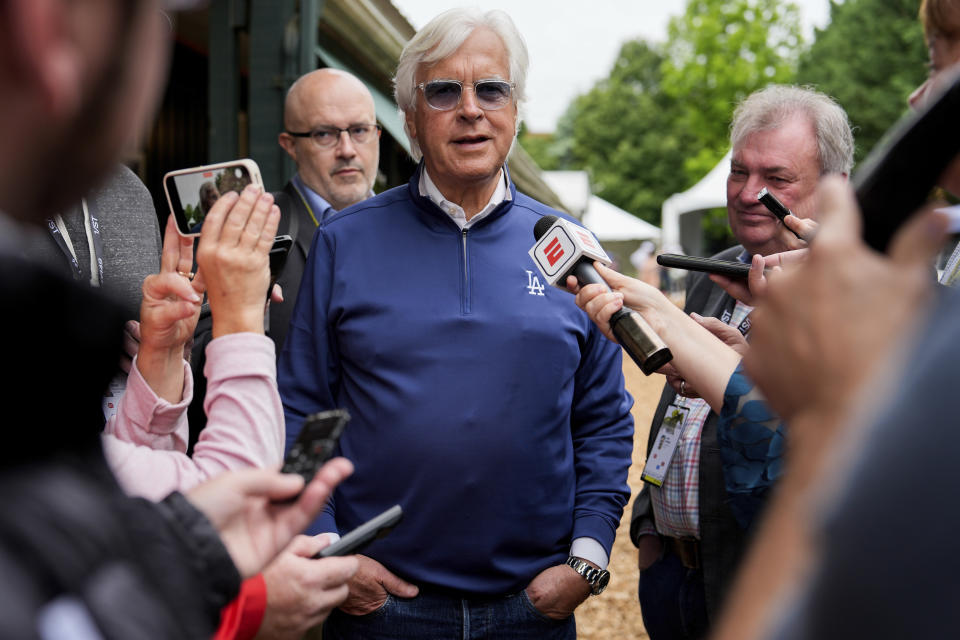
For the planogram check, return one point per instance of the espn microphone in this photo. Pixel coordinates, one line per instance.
(563, 249)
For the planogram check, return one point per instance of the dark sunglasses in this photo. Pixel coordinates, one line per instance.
(444, 95)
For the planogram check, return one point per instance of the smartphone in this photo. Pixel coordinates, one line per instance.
(316, 443)
(371, 530)
(278, 258)
(896, 178)
(692, 263)
(191, 192)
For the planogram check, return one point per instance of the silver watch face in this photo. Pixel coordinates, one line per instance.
(601, 582)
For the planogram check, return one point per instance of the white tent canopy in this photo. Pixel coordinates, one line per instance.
(709, 193)
(609, 222)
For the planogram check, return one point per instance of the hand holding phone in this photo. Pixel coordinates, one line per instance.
(373, 529)
(192, 192)
(316, 442)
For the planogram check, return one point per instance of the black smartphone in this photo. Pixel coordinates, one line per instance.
(692, 263)
(896, 178)
(191, 192)
(278, 258)
(373, 529)
(316, 443)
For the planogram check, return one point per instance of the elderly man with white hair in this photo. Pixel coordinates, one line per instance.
(485, 404)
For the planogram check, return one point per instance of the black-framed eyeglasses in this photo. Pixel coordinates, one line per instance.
(327, 137)
(444, 95)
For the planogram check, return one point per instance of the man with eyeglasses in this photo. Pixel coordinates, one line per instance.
(484, 403)
(331, 132)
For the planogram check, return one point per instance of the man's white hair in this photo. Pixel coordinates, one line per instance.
(440, 38)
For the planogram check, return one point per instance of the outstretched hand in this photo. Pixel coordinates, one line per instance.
(600, 303)
(752, 290)
(233, 259)
(169, 311)
(248, 509)
(823, 329)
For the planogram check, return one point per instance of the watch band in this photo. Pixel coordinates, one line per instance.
(596, 578)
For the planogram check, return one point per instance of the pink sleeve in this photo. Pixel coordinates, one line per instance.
(143, 418)
(244, 424)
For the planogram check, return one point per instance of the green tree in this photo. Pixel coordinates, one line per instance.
(869, 58)
(717, 53)
(622, 132)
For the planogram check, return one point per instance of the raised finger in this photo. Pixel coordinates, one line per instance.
(170, 255)
(238, 217)
(254, 226)
(839, 214)
(214, 220)
(269, 231)
(756, 281)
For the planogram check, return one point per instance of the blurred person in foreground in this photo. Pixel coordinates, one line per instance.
(493, 411)
(857, 542)
(690, 540)
(79, 558)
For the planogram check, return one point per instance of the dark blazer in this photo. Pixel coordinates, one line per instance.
(722, 541)
(295, 220)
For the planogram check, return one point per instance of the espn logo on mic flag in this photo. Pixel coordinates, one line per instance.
(561, 247)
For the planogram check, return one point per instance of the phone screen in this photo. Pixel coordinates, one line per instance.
(193, 193)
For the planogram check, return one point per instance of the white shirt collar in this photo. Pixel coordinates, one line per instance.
(457, 214)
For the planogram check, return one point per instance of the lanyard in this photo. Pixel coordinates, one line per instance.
(58, 229)
(727, 314)
(307, 205)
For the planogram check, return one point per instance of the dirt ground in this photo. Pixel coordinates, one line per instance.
(615, 613)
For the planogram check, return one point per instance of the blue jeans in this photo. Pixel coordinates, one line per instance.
(437, 615)
(672, 600)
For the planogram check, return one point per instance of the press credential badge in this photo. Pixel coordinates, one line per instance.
(662, 453)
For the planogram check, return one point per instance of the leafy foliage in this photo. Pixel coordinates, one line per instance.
(718, 52)
(623, 132)
(869, 58)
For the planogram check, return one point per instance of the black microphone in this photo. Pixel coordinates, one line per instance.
(571, 251)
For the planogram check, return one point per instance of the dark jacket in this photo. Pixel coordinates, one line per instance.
(71, 543)
(296, 221)
(722, 541)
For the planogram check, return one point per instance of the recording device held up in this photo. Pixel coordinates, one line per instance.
(898, 175)
(728, 268)
(563, 249)
(191, 192)
(315, 444)
(776, 207)
(373, 529)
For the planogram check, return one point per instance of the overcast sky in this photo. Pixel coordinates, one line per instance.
(574, 43)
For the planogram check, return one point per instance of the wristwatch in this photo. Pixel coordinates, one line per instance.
(596, 578)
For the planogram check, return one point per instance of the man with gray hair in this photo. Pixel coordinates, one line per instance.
(784, 138)
(484, 403)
